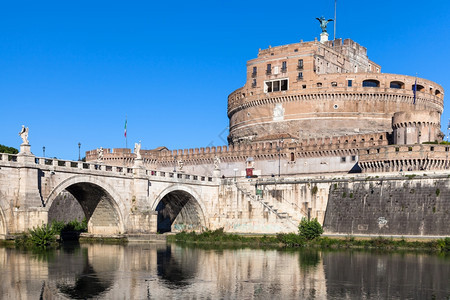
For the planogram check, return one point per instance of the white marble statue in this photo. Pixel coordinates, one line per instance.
(24, 135)
(216, 163)
(137, 150)
(100, 153)
(180, 165)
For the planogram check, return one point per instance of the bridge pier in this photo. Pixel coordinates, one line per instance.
(27, 211)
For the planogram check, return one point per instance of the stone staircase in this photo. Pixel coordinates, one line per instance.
(284, 216)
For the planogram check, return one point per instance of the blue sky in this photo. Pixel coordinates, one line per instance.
(72, 70)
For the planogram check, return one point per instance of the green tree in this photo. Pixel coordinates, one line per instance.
(6, 149)
(310, 229)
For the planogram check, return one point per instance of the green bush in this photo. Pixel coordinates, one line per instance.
(310, 229)
(291, 239)
(58, 226)
(444, 244)
(42, 236)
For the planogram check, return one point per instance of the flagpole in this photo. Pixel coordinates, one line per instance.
(125, 132)
(334, 37)
(415, 90)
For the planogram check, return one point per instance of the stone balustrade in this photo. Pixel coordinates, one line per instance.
(77, 166)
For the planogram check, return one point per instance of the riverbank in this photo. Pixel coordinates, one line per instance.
(218, 237)
(292, 240)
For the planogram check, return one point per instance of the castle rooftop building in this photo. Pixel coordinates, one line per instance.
(314, 108)
(317, 89)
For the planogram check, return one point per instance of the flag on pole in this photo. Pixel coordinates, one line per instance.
(414, 91)
(125, 130)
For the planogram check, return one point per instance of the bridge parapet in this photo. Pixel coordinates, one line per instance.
(54, 165)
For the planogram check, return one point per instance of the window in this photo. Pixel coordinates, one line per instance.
(304, 86)
(353, 157)
(254, 83)
(343, 159)
(300, 75)
(349, 83)
(334, 83)
(292, 156)
(396, 85)
(418, 87)
(371, 83)
(269, 69)
(276, 85)
(255, 71)
(300, 64)
(319, 84)
(283, 67)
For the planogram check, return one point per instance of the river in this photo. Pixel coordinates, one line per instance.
(162, 271)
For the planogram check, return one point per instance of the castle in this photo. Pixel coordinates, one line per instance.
(315, 108)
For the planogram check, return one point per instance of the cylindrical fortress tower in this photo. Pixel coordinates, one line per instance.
(313, 89)
(416, 127)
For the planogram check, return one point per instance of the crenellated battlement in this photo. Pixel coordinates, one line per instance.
(314, 147)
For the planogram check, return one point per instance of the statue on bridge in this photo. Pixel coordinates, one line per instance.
(100, 154)
(216, 163)
(137, 150)
(180, 165)
(24, 135)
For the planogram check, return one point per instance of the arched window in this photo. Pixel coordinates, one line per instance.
(397, 85)
(371, 83)
(437, 93)
(419, 88)
(292, 156)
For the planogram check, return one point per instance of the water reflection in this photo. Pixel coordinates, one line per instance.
(176, 267)
(160, 271)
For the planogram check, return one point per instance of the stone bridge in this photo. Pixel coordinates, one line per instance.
(114, 200)
(136, 200)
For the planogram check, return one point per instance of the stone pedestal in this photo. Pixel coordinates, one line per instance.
(323, 37)
(138, 166)
(25, 149)
(29, 193)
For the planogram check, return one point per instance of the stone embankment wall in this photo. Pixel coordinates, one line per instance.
(390, 206)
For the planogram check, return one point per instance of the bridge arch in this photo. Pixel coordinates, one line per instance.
(101, 204)
(180, 208)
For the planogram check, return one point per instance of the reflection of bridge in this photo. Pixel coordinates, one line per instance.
(135, 200)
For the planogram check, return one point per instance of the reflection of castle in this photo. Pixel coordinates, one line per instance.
(318, 107)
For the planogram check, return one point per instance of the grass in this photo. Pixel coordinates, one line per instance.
(292, 240)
